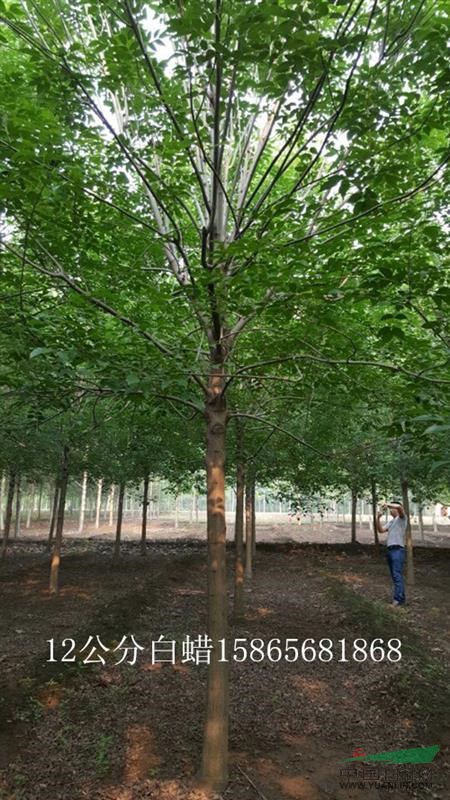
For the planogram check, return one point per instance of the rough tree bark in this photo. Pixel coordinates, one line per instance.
(239, 544)
(144, 516)
(214, 770)
(116, 553)
(56, 555)
(8, 513)
(409, 541)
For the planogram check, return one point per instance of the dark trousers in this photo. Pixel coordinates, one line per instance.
(396, 561)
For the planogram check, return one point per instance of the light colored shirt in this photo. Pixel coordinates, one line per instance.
(396, 531)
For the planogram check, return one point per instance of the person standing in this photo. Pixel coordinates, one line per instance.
(396, 531)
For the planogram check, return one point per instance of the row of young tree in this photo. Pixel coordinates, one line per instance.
(225, 221)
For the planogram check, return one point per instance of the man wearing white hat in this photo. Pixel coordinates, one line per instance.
(396, 531)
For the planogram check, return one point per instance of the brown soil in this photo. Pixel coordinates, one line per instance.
(129, 732)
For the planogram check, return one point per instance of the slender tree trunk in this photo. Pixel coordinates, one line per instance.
(54, 514)
(421, 528)
(215, 740)
(99, 502)
(144, 516)
(435, 525)
(158, 501)
(56, 555)
(2, 495)
(177, 511)
(409, 541)
(8, 513)
(150, 512)
(39, 502)
(30, 505)
(361, 506)
(373, 487)
(111, 505)
(83, 502)
(253, 518)
(18, 507)
(239, 544)
(195, 501)
(354, 505)
(248, 532)
(116, 553)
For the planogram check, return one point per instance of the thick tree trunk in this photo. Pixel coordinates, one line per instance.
(144, 516)
(253, 518)
(30, 505)
(215, 740)
(248, 532)
(354, 505)
(83, 502)
(373, 488)
(239, 544)
(56, 555)
(8, 513)
(409, 541)
(116, 553)
(421, 528)
(54, 514)
(99, 502)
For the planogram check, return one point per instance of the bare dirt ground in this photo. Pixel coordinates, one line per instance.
(130, 732)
